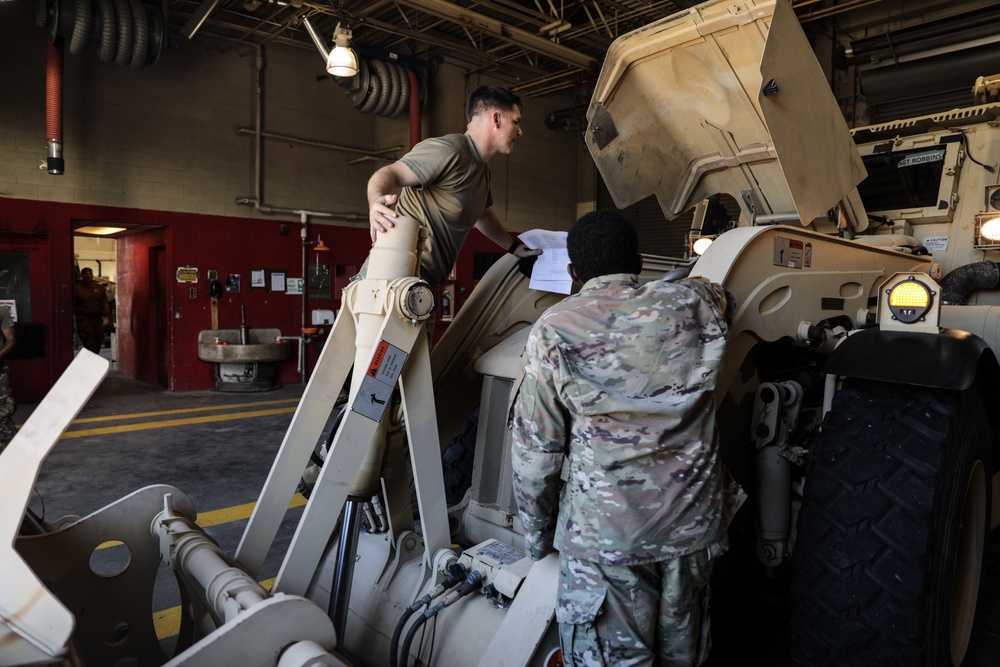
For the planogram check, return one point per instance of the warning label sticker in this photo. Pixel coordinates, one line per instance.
(500, 552)
(792, 253)
(379, 381)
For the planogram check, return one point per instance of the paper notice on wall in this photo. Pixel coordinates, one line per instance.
(11, 306)
(549, 272)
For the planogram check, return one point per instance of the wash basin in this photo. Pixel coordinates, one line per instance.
(259, 348)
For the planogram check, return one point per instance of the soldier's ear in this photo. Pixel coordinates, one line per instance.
(572, 273)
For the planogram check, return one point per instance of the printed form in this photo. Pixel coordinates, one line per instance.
(549, 272)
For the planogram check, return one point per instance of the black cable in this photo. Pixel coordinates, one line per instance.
(965, 143)
(455, 575)
(472, 582)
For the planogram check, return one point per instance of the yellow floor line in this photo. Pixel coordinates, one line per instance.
(224, 515)
(168, 622)
(181, 411)
(127, 428)
(227, 514)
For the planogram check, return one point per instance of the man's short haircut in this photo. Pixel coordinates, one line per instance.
(485, 98)
(601, 243)
(85, 269)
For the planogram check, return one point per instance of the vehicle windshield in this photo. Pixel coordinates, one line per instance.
(901, 180)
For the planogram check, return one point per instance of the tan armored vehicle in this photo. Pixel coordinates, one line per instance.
(857, 405)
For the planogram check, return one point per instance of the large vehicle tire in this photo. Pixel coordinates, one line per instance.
(892, 530)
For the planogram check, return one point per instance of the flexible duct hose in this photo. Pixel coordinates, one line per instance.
(956, 286)
(53, 107)
(472, 582)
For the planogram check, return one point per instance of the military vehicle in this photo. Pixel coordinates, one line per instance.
(855, 406)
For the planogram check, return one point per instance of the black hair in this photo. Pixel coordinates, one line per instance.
(86, 268)
(601, 243)
(485, 98)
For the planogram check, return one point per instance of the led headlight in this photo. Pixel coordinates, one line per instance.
(910, 300)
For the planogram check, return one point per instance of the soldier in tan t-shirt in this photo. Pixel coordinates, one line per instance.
(444, 182)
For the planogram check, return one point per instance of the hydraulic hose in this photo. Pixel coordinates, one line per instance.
(472, 582)
(956, 286)
(455, 575)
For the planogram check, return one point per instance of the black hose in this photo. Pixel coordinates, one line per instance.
(472, 582)
(455, 574)
(959, 282)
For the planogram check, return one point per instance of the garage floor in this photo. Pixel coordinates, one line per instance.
(218, 448)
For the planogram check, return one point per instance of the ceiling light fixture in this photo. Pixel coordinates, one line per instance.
(99, 230)
(342, 61)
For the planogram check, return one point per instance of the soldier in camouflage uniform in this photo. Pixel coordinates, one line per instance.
(618, 382)
(7, 405)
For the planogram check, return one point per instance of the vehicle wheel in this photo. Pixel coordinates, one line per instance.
(458, 459)
(892, 530)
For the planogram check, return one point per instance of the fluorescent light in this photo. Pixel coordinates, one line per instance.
(99, 230)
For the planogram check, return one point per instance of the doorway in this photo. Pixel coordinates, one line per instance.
(159, 279)
(100, 255)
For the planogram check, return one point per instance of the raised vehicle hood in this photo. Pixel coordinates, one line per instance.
(725, 97)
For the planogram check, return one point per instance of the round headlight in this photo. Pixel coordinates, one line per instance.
(910, 300)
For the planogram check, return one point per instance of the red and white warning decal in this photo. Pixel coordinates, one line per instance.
(379, 381)
(792, 253)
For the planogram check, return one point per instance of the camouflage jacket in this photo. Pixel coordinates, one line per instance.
(619, 378)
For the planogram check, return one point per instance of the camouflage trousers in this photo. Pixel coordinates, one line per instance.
(636, 615)
(7, 407)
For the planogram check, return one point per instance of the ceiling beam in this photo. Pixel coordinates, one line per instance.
(501, 30)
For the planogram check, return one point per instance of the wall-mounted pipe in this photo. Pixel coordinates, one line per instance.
(53, 108)
(321, 144)
(414, 108)
(258, 131)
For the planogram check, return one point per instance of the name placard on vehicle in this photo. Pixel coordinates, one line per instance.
(379, 381)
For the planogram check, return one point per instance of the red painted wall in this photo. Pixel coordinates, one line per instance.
(226, 244)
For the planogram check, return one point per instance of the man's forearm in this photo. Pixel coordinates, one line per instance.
(382, 182)
(490, 227)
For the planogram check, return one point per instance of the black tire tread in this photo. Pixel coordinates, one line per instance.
(861, 586)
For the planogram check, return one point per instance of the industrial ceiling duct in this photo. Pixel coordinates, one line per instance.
(129, 32)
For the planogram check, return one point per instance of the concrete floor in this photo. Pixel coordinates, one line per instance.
(218, 448)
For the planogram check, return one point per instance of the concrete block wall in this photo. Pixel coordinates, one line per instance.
(164, 137)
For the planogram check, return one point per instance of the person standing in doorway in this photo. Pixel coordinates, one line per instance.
(7, 404)
(619, 383)
(90, 306)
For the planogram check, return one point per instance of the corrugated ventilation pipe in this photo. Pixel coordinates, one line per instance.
(128, 32)
(53, 107)
(963, 280)
(382, 87)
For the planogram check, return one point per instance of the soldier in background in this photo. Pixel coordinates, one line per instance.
(7, 405)
(90, 306)
(619, 380)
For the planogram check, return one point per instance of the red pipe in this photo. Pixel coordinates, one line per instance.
(414, 108)
(53, 107)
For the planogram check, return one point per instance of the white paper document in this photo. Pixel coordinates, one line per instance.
(550, 271)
